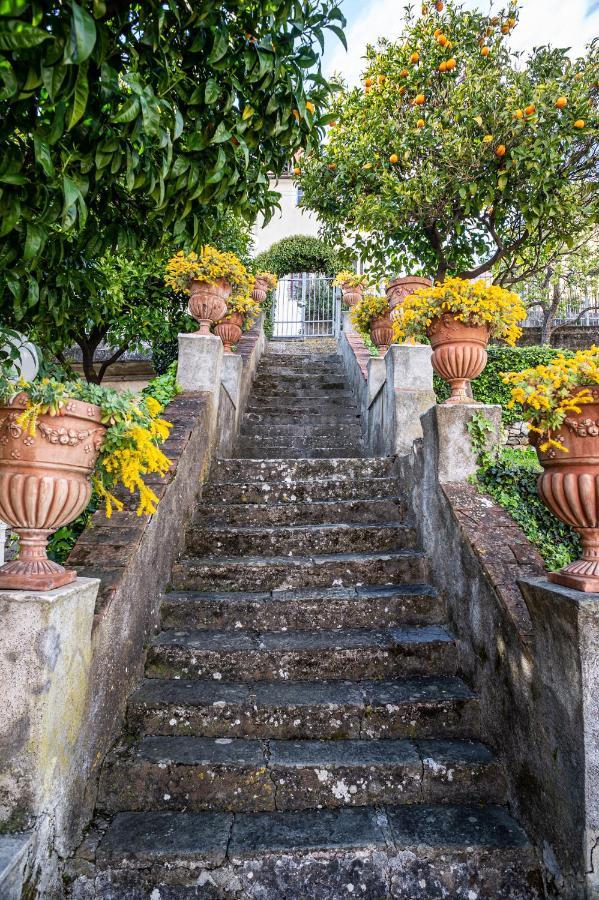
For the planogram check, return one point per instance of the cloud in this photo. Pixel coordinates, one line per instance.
(564, 24)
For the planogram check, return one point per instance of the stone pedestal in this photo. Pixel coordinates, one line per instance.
(45, 657)
(565, 632)
(446, 429)
(409, 392)
(200, 363)
(346, 320)
(377, 376)
(230, 402)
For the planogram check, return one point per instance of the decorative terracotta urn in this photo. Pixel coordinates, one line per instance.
(44, 484)
(381, 332)
(208, 302)
(351, 294)
(400, 288)
(229, 330)
(459, 353)
(261, 289)
(569, 486)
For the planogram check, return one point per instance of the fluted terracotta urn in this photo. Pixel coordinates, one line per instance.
(381, 332)
(351, 294)
(208, 302)
(229, 330)
(44, 484)
(459, 353)
(261, 289)
(400, 288)
(569, 486)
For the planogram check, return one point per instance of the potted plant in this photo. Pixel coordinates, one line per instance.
(57, 440)
(208, 279)
(459, 317)
(352, 287)
(400, 288)
(372, 316)
(561, 404)
(263, 283)
(242, 312)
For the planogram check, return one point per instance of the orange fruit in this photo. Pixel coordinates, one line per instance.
(530, 110)
(297, 170)
(505, 28)
(439, 5)
(382, 79)
(443, 66)
(404, 73)
(451, 64)
(579, 123)
(561, 102)
(495, 20)
(332, 166)
(518, 114)
(500, 151)
(419, 99)
(511, 23)
(310, 106)
(393, 159)
(415, 57)
(368, 82)
(296, 114)
(420, 123)
(437, 32)
(485, 51)
(442, 40)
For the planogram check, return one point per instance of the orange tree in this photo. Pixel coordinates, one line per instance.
(455, 156)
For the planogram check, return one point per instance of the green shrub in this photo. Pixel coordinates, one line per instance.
(164, 387)
(489, 388)
(511, 479)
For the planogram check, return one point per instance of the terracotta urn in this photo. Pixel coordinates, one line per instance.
(381, 332)
(229, 330)
(400, 288)
(569, 486)
(44, 484)
(208, 302)
(459, 353)
(261, 289)
(351, 294)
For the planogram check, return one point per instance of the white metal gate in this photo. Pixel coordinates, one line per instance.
(306, 306)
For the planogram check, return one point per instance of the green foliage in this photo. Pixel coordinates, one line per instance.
(512, 481)
(489, 388)
(164, 387)
(62, 541)
(443, 172)
(124, 121)
(10, 341)
(298, 253)
(480, 430)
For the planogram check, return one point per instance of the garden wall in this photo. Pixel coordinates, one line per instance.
(75, 657)
(570, 337)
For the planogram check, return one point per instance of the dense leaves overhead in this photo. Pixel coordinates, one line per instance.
(117, 115)
(456, 157)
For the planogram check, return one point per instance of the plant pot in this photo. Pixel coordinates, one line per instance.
(351, 294)
(459, 353)
(400, 288)
(44, 484)
(261, 289)
(208, 302)
(569, 486)
(229, 330)
(381, 332)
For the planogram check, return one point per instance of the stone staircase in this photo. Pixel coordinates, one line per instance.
(302, 731)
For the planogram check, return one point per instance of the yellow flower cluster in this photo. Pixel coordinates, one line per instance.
(269, 278)
(475, 302)
(352, 278)
(371, 306)
(246, 306)
(211, 265)
(549, 393)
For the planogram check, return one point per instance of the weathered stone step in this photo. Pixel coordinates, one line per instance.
(300, 470)
(303, 405)
(363, 653)
(306, 492)
(307, 378)
(299, 540)
(364, 606)
(332, 364)
(259, 573)
(421, 707)
(337, 393)
(332, 434)
(412, 851)
(289, 513)
(298, 419)
(250, 451)
(247, 775)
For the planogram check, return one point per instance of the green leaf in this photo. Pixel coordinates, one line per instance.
(221, 134)
(8, 80)
(42, 155)
(219, 47)
(10, 216)
(211, 91)
(80, 97)
(17, 35)
(83, 34)
(339, 32)
(34, 241)
(129, 111)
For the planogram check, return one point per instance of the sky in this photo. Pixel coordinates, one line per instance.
(564, 23)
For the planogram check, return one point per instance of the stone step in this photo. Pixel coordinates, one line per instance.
(411, 851)
(332, 434)
(336, 391)
(305, 406)
(250, 451)
(247, 775)
(359, 653)
(325, 512)
(333, 364)
(300, 470)
(298, 540)
(308, 378)
(421, 707)
(298, 418)
(260, 573)
(305, 493)
(365, 606)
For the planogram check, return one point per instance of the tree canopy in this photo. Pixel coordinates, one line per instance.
(124, 121)
(298, 253)
(456, 156)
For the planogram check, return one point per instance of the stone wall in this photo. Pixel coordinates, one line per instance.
(570, 337)
(66, 677)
